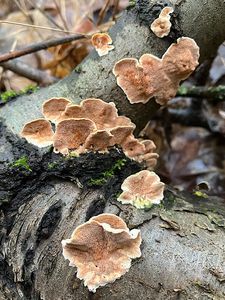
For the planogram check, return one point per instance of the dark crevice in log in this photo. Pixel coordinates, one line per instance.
(49, 222)
(96, 208)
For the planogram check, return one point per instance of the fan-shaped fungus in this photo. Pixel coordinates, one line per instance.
(142, 189)
(38, 132)
(54, 107)
(154, 77)
(71, 134)
(161, 26)
(102, 43)
(102, 249)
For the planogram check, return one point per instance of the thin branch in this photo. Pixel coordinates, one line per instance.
(46, 15)
(216, 94)
(41, 46)
(60, 14)
(102, 13)
(27, 71)
(35, 26)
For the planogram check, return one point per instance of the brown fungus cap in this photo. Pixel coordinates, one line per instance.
(99, 140)
(103, 114)
(154, 77)
(161, 26)
(142, 190)
(132, 147)
(102, 43)
(121, 134)
(102, 249)
(148, 157)
(71, 134)
(53, 108)
(38, 132)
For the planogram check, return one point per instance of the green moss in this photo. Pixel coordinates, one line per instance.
(201, 194)
(104, 176)
(8, 95)
(22, 162)
(52, 165)
(132, 3)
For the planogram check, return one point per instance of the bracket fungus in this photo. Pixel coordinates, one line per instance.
(102, 43)
(94, 125)
(38, 132)
(70, 134)
(142, 190)
(53, 108)
(161, 26)
(102, 250)
(154, 77)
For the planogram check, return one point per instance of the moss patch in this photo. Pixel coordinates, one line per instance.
(21, 163)
(11, 94)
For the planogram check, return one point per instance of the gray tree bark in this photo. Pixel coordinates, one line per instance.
(183, 240)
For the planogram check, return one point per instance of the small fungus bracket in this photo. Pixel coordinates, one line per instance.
(148, 13)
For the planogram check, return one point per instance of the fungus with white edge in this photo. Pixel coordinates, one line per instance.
(94, 125)
(102, 43)
(53, 108)
(161, 26)
(159, 78)
(103, 114)
(38, 132)
(70, 134)
(142, 190)
(102, 250)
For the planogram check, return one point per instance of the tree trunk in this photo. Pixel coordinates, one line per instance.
(43, 200)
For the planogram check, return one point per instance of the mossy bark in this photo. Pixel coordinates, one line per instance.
(201, 20)
(183, 240)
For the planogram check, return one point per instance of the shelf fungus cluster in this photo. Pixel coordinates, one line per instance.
(154, 77)
(161, 26)
(94, 125)
(142, 190)
(102, 43)
(102, 250)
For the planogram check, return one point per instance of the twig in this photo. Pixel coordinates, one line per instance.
(46, 15)
(212, 93)
(60, 14)
(115, 9)
(41, 46)
(102, 12)
(35, 26)
(27, 71)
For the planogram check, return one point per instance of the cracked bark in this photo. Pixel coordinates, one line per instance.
(182, 247)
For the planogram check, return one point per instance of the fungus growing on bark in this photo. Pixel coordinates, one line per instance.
(142, 190)
(53, 108)
(161, 26)
(102, 249)
(99, 141)
(94, 125)
(159, 78)
(149, 157)
(71, 134)
(102, 43)
(121, 134)
(103, 114)
(38, 132)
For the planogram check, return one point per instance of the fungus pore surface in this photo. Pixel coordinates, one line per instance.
(142, 190)
(159, 78)
(102, 43)
(161, 26)
(102, 249)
